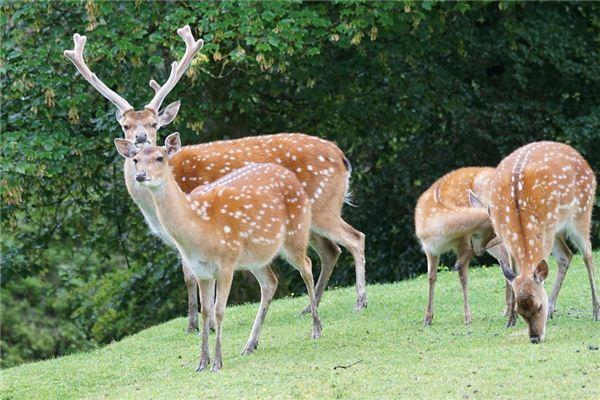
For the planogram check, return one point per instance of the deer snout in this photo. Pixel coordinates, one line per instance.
(141, 137)
(140, 176)
(535, 339)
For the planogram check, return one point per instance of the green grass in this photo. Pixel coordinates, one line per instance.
(393, 355)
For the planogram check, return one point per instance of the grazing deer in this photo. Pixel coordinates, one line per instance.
(240, 221)
(542, 190)
(448, 217)
(319, 164)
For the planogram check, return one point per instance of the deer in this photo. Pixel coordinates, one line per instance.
(448, 217)
(321, 166)
(238, 222)
(542, 191)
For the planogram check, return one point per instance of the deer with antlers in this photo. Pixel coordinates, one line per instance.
(448, 217)
(240, 221)
(320, 165)
(541, 191)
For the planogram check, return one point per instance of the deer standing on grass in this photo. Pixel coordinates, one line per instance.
(241, 221)
(542, 190)
(320, 165)
(446, 219)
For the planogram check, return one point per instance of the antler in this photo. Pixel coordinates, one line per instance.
(76, 57)
(177, 68)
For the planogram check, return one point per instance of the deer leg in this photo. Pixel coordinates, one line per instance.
(511, 319)
(465, 253)
(191, 284)
(268, 285)
(563, 258)
(507, 298)
(589, 264)
(342, 233)
(206, 294)
(329, 253)
(295, 253)
(432, 264)
(224, 279)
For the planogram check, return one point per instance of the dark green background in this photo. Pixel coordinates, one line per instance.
(408, 90)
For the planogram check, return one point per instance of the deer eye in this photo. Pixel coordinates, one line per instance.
(154, 124)
(159, 159)
(135, 161)
(540, 308)
(126, 127)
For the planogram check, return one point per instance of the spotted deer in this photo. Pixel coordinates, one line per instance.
(446, 219)
(319, 164)
(238, 222)
(542, 190)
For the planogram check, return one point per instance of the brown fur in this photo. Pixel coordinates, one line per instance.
(240, 221)
(540, 192)
(319, 165)
(445, 220)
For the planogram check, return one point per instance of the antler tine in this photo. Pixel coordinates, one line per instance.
(177, 68)
(154, 85)
(76, 57)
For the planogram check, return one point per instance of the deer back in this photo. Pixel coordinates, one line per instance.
(319, 164)
(539, 190)
(444, 208)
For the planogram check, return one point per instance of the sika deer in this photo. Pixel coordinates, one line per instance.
(319, 164)
(240, 221)
(542, 190)
(446, 219)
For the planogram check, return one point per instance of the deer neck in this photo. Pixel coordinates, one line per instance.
(143, 199)
(174, 212)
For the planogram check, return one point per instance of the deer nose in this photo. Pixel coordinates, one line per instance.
(140, 176)
(141, 137)
(534, 339)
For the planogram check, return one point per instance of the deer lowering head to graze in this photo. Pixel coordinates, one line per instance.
(542, 190)
(241, 221)
(319, 164)
(446, 219)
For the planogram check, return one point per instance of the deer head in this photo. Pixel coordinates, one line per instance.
(531, 298)
(151, 165)
(140, 126)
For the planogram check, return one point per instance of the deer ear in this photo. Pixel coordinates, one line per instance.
(172, 143)
(541, 272)
(509, 274)
(496, 249)
(474, 200)
(168, 114)
(126, 148)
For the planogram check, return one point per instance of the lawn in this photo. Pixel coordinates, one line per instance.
(383, 352)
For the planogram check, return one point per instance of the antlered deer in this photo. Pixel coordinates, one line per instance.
(446, 219)
(240, 221)
(542, 190)
(319, 164)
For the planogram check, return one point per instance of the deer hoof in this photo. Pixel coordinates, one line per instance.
(249, 349)
(468, 319)
(192, 326)
(427, 320)
(203, 364)
(306, 310)
(217, 366)
(361, 303)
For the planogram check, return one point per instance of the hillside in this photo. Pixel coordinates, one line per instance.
(381, 353)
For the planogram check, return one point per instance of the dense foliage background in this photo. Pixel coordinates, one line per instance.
(408, 90)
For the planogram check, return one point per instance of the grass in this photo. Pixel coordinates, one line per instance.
(386, 351)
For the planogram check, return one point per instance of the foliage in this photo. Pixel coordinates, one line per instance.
(409, 90)
(382, 353)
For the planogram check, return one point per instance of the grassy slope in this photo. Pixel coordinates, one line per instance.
(396, 356)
